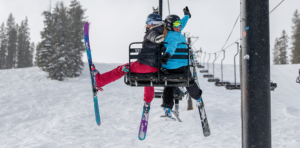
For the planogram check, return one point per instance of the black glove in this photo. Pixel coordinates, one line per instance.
(165, 58)
(186, 11)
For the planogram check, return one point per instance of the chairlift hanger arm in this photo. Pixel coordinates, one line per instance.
(215, 57)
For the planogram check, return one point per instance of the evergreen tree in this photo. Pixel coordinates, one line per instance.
(30, 55)
(23, 48)
(295, 56)
(283, 46)
(76, 44)
(3, 46)
(44, 49)
(60, 51)
(11, 30)
(276, 52)
(38, 55)
(58, 63)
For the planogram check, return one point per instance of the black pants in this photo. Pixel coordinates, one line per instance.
(168, 95)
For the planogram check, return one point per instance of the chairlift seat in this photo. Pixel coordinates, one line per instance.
(220, 83)
(204, 71)
(208, 76)
(200, 66)
(151, 79)
(233, 86)
(213, 80)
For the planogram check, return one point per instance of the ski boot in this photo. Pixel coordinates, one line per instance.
(146, 107)
(199, 102)
(168, 114)
(94, 72)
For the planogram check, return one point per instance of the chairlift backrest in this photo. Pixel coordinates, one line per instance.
(208, 62)
(222, 64)
(214, 64)
(158, 79)
(200, 56)
(234, 62)
(204, 58)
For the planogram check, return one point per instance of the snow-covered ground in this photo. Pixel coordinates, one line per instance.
(39, 112)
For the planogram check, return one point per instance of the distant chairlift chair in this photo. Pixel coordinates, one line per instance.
(208, 75)
(234, 86)
(273, 86)
(214, 79)
(196, 54)
(222, 83)
(200, 65)
(204, 70)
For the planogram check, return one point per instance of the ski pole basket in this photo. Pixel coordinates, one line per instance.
(159, 79)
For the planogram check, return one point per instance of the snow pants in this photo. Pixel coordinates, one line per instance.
(168, 95)
(117, 73)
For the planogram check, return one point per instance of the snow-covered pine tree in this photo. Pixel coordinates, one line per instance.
(11, 33)
(276, 52)
(44, 50)
(295, 55)
(77, 19)
(283, 47)
(3, 46)
(23, 48)
(38, 55)
(60, 51)
(58, 66)
(30, 55)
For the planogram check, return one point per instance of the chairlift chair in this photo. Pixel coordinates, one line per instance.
(204, 70)
(234, 86)
(195, 56)
(158, 79)
(214, 79)
(208, 75)
(273, 86)
(200, 65)
(222, 83)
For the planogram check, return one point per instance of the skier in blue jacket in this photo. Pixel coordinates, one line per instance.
(174, 37)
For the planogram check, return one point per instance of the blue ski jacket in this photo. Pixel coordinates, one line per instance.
(174, 39)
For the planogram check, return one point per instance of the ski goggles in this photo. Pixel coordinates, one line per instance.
(149, 21)
(177, 24)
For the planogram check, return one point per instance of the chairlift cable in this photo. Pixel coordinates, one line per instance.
(240, 37)
(231, 31)
(218, 54)
(276, 6)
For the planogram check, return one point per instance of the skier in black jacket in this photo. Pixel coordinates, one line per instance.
(154, 34)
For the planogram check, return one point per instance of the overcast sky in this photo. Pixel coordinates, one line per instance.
(117, 23)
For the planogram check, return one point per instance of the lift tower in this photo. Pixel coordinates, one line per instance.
(255, 74)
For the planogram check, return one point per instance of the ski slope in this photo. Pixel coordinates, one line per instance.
(39, 112)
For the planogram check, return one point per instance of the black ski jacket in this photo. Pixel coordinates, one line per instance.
(149, 37)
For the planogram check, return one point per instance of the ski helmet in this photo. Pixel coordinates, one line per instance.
(169, 20)
(153, 19)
